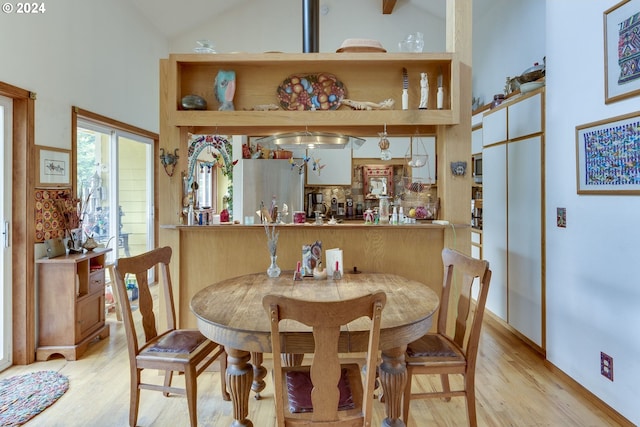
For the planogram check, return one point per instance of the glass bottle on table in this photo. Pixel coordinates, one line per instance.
(383, 209)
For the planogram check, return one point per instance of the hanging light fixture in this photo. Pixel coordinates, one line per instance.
(385, 154)
(308, 139)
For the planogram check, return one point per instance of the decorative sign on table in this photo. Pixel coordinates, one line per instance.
(311, 256)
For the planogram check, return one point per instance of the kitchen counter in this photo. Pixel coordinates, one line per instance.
(203, 255)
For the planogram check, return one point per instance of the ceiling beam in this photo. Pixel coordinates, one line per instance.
(387, 6)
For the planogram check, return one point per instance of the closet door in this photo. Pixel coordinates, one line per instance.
(494, 227)
(524, 195)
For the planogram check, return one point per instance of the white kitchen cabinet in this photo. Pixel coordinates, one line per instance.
(524, 231)
(494, 126)
(398, 146)
(512, 235)
(494, 225)
(476, 140)
(333, 168)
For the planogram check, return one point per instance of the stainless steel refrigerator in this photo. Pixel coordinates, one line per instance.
(259, 180)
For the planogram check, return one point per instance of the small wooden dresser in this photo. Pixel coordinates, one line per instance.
(71, 304)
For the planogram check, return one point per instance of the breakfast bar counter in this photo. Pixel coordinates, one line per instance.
(209, 254)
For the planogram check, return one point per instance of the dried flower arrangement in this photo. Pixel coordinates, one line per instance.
(72, 211)
(272, 238)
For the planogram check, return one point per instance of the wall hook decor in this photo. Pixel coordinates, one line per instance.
(169, 161)
(458, 168)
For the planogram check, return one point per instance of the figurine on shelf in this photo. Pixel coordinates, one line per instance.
(387, 104)
(225, 89)
(424, 91)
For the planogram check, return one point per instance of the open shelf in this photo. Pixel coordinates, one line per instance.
(370, 77)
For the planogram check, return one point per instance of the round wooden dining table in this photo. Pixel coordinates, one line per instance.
(230, 313)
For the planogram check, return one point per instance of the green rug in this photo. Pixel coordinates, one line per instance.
(22, 397)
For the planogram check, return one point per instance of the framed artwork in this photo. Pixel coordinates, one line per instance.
(622, 51)
(608, 156)
(54, 167)
(377, 181)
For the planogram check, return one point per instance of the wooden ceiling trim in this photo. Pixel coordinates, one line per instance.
(387, 6)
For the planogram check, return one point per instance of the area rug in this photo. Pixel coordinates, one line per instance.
(22, 397)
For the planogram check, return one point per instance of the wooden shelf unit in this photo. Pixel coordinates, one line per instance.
(366, 77)
(71, 303)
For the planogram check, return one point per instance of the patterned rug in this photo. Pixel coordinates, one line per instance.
(22, 397)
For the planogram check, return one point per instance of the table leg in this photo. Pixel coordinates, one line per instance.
(292, 359)
(239, 380)
(393, 377)
(259, 372)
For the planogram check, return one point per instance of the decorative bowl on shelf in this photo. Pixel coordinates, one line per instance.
(361, 45)
(282, 154)
(532, 74)
(528, 87)
(193, 102)
(322, 91)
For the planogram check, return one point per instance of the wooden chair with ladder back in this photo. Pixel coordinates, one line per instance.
(442, 353)
(326, 392)
(185, 351)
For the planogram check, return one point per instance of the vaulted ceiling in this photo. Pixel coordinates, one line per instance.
(173, 17)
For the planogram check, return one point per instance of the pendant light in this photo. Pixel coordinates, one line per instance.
(385, 154)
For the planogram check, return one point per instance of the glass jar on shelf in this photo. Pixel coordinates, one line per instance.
(384, 209)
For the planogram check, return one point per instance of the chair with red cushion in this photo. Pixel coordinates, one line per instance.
(326, 392)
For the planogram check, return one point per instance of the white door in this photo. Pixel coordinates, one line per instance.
(494, 225)
(6, 147)
(524, 204)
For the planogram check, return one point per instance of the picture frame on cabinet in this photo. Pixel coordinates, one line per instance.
(54, 167)
(377, 181)
(622, 51)
(608, 156)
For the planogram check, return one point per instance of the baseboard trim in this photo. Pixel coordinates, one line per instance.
(501, 327)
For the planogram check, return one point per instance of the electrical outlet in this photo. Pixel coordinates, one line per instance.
(606, 366)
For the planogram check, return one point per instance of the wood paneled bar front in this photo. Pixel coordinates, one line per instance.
(204, 255)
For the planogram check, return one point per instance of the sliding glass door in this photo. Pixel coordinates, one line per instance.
(115, 183)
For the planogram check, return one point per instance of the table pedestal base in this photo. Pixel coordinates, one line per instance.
(239, 381)
(393, 378)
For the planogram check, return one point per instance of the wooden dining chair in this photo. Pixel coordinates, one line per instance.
(185, 351)
(326, 392)
(443, 353)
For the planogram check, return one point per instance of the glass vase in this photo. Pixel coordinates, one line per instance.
(273, 270)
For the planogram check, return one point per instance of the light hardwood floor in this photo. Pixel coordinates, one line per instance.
(514, 388)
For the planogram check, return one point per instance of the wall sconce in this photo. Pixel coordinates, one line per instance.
(169, 160)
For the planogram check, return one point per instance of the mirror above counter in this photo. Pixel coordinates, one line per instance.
(207, 183)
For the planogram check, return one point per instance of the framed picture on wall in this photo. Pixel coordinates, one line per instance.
(54, 167)
(608, 156)
(622, 51)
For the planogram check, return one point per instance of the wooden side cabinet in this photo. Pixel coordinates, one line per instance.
(71, 304)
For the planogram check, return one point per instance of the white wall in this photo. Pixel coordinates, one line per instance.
(100, 56)
(508, 37)
(276, 25)
(593, 292)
